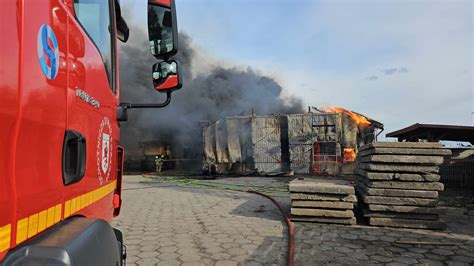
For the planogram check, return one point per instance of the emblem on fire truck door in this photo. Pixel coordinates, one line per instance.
(104, 150)
(48, 51)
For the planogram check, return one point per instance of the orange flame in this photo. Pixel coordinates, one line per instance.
(360, 120)
(349, 154)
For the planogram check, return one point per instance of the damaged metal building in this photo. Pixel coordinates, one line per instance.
(311, 143)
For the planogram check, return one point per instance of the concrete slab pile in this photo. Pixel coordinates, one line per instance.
(324, 201)
(398, 183)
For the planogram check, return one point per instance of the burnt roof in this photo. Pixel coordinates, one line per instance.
(433, 132)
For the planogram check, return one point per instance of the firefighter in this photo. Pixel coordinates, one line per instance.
(159, 160)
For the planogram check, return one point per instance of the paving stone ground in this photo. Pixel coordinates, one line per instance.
(164, 224)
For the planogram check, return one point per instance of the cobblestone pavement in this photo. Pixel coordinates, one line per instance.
(168, 225)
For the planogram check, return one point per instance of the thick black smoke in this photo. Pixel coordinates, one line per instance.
(219, 92)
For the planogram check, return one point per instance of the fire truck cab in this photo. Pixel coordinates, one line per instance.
(60, 157)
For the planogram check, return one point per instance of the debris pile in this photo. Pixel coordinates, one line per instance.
(325, 201)
(398, 183)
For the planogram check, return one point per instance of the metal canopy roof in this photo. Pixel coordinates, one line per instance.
(434, 133)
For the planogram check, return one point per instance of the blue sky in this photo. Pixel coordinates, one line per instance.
(281, 31)
(397, 61)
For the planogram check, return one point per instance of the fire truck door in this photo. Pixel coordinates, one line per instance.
(91, 95)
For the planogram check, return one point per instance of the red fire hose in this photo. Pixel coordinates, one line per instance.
(291, 245)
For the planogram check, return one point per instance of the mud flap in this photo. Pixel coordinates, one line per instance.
(122, 247)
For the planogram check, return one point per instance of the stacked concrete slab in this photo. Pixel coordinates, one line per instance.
(325, 201)
(398, 183)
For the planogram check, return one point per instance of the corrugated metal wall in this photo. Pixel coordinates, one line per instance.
(209, 143)
(233, 140)
(266, 143)
(222, 153)
(228, 143)
(245, 135)
(301, 138)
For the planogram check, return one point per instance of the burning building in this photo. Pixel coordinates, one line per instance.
(318, 142)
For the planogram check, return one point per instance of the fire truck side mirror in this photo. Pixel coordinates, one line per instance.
(162, 28)
(167, 76)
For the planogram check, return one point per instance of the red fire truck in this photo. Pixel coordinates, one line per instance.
(60, 157)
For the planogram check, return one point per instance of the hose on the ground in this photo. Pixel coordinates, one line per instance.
(196, 183)
(291, 238)
(274, 190)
